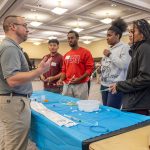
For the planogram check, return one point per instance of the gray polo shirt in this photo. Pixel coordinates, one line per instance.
(12, 61)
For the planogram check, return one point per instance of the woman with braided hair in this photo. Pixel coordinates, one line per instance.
(136, 87)
(114, 63)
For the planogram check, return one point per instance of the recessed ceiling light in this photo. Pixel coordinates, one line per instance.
(113, 5)
(103, 32)
(106, 20)
(87, 42)
(51, 33)
(59, 10)
(87, 37)
(35, 23)
(33, 10)
(37, 43)
(107, 12)
(34, 39)
(81, 23)
(52, 37)
(78, 29)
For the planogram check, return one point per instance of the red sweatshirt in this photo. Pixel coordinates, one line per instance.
(76, 63)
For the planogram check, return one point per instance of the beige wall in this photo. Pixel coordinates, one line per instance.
(35, 51)
(97, 47)
(39, 51)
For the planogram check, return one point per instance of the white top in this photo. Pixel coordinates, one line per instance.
(114, 68)
(51, 115)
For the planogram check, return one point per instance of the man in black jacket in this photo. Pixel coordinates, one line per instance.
(136, 87)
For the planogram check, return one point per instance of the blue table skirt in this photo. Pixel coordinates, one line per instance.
(49, 136)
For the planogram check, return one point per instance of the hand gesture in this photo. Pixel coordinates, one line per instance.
(42, 78)
(59, 82)
(74, 80)
(106, 52)
(112, 88)
(44, 65)
(49, 79)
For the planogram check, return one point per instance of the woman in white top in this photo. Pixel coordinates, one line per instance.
(114, 63)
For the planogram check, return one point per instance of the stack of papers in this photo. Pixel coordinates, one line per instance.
(51, 115)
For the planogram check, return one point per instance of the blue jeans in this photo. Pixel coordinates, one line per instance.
(111, 100)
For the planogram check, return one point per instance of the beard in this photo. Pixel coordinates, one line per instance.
(22, 37)
(72, 44)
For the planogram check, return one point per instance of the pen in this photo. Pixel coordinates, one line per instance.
(71, 79)
(105, 90)
(82, 121)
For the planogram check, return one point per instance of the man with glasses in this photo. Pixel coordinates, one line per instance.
(15, 85)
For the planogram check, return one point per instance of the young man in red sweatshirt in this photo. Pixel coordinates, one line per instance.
(52, 76)
(77, 67)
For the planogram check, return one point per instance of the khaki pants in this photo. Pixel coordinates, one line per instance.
(76, 90)
(15, 116)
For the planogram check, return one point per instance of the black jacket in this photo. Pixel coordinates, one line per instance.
(136, 87)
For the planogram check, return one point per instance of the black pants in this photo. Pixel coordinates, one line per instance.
(111, 100)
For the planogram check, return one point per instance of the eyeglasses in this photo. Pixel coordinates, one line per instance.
(24, 25)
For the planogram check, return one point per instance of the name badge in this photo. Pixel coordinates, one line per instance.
(67, 57)
(53, 64)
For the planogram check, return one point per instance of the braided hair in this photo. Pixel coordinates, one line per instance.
(143, 27)
(118, 26)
